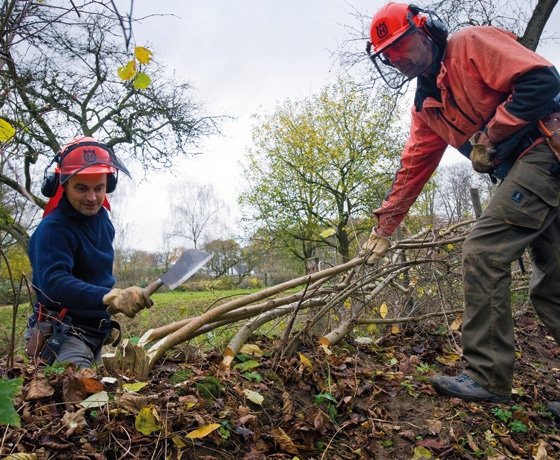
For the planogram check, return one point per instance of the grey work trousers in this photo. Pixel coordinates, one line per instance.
(84, 350)
(523, 213)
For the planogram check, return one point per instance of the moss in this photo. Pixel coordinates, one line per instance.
(209, 388)
(180, 376)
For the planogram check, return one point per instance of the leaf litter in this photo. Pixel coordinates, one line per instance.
(362, 399)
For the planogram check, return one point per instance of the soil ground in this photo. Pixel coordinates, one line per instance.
(358, 400)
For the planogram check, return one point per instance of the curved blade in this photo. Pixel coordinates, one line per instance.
(187, 265)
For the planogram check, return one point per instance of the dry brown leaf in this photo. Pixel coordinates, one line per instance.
(134, 403)
(512, 445)
(73, 390)
(434, 426)
(321, 420)
(39, 388)
(249, 418)
(287, 407)
(472, 443)
(539, 451)
(74, 422)
(284, 441)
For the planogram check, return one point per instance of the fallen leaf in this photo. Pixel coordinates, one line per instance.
(38, 389)
(74, 422)
(284, 441)
(96, 400)
(147, 421)
(434, 426)
(203, 431)
(305, 361)
(251, 349)
(253, 396)
(91, 386)
(421, 453)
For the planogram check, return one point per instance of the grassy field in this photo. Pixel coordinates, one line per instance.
(168, 307)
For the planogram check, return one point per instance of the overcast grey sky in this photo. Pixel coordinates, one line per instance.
(243, 57)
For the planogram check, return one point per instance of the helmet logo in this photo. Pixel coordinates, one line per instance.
(89, 155)
(381, 30)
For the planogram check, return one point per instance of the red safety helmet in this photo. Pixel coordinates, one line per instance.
(84, 155)
(391, 22)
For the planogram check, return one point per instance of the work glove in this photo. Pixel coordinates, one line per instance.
(128, 301)
(481, 154)
(374, 248)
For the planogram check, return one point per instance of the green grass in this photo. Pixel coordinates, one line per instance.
(168, 307)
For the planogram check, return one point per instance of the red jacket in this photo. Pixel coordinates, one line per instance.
(487, 80)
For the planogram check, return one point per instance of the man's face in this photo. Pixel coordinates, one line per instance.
(412, 54)
(86, 192)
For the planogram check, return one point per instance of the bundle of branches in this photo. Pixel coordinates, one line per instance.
(419, 278)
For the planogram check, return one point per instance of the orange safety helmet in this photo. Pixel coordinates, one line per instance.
(83, 155)
(391, 22)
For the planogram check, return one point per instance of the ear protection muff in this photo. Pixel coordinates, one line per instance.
(112, 179)
(52, 179)
(434, 26)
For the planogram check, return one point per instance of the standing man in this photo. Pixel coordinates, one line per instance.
(71, 254)
(483, 93)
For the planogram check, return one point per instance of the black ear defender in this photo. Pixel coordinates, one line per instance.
(434, 25)
(50, 180)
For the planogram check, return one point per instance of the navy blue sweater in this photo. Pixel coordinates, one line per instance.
(72, 260)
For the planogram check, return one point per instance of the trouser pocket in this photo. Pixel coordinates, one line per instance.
(527, 195)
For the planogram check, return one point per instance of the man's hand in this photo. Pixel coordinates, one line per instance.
(128, 301)
(374, 248)
(481, 154)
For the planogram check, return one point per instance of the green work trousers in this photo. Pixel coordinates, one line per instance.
(523, 213)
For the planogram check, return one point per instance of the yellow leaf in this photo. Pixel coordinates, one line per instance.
(203, 431)
(134, 386)
(395, 329)
(253, 396)
(383, 310)
(178, 442)
(449, 246)
(305, 361)
(144, 55)
(421, 452)
(141, 81)
(7, 131)
(128, 71)
(147, 421)
(456, 324)
(328, 232)
(251, 349)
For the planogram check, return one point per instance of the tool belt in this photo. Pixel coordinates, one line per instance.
(50, 330)
(549, 127)
(49, 333)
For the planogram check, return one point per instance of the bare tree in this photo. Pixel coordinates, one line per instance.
(62, 82)
(197, 212)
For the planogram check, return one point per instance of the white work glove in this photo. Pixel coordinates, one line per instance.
(374, 248)
(481, 154)
(128, 301)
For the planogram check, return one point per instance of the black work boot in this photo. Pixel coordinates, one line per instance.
(554, 408)
(466, 388)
